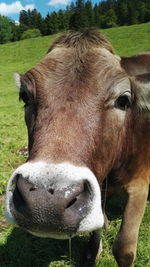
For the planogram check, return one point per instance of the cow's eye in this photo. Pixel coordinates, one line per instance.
(25, 97)
(123, 102)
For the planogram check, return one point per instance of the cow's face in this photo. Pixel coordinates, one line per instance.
(78, 114)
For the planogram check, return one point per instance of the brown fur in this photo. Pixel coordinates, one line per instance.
(82, 41)
(74, 119)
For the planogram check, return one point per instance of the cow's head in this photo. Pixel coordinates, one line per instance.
(80, 106)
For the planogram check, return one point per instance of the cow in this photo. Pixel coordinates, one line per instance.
(87, 112)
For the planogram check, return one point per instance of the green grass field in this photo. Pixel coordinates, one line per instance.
(18, 248)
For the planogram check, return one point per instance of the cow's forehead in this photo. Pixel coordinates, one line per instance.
(73, 55)
(66, 67)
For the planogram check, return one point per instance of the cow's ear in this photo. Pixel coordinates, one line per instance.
(25, 82)
(17, 77)
(138, 67)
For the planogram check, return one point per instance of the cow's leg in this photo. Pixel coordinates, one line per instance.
(93, 249)
(124, 248)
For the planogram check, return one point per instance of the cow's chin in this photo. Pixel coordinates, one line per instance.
(83, 229)
(52, 235)
(58, 235)
(55, 235)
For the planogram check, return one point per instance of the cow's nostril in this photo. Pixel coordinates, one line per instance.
(79, 197)
(87, 188)
(33, 188)
(71, 203)
(18, 200)
(23, 193)
(51, 190)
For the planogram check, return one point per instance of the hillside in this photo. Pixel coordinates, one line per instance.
(19, 57)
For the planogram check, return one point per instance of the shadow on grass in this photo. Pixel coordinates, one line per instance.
(24, 250)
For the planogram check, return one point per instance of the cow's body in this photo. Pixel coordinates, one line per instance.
(88, 115)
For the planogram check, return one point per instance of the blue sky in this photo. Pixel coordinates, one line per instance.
(12, 8)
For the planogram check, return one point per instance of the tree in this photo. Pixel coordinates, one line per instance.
(79, 18)
(63, 20)
(31, 33)
(122, 13)
(147, 11)
(89, 13)
(52, 23)
(24, 18)
(109, 19)
(48, 24)
(17, 31)
(32, 19)
(142, 11)
(5, 30)
(78, 15)
(35, 19)
(96, 16)
(132, 13)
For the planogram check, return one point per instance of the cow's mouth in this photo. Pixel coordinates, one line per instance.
(63, 205)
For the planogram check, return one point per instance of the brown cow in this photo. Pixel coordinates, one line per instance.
(88, 115)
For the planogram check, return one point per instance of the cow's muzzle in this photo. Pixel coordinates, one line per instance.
(54, 202)
(51, 209)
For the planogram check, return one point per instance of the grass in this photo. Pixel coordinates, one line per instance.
(18, 248)
(129, 40)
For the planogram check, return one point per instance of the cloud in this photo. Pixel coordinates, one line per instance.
(58, 2)
(14, 8)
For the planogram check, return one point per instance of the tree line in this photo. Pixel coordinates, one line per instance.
(79, 14)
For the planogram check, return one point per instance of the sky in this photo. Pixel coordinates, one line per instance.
(12, 8)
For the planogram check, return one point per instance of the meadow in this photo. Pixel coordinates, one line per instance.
(18, 248)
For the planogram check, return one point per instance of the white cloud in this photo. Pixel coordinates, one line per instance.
(17, 22)
(58, 2)
(14, 8)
